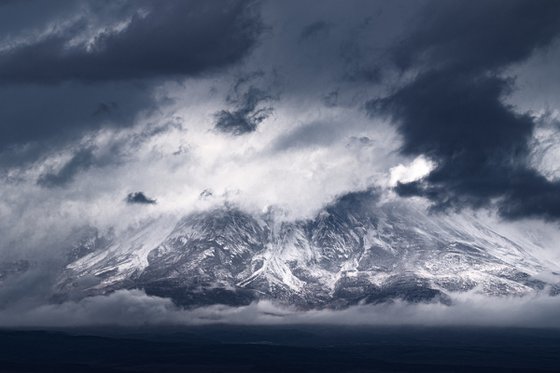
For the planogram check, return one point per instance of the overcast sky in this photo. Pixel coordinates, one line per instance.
(273, 103)
(113, 111)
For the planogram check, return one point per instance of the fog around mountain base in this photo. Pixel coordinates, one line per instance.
(133, 308)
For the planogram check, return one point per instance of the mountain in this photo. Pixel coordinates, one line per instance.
(356, 250)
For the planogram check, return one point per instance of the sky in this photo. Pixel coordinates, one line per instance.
(116, 111)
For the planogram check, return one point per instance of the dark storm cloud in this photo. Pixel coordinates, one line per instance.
(315, 29)
(358, 67)
(331, 99)
(139, 198)
(55, 84)
(250, 106)
(32, 113)
(478, 35)
(17, 15)
(173, 38)
(454, 110)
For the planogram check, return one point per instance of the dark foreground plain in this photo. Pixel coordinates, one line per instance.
(222, 348)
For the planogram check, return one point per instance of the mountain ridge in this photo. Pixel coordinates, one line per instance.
(356, 250)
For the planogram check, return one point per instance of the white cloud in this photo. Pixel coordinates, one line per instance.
(545, 147)
(416, 170)
(135, 308)
(187, 156)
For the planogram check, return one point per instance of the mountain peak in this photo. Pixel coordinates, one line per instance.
(355, 250)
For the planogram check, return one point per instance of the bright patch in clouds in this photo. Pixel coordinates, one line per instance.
(419, 168)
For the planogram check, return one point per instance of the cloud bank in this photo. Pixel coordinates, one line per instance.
(135, 308)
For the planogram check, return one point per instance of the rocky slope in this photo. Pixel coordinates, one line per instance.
(355, 250)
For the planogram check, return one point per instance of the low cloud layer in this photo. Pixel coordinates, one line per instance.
(135, 308)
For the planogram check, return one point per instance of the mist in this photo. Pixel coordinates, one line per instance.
(133, 308)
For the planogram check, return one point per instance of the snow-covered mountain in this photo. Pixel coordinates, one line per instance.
(355, 250)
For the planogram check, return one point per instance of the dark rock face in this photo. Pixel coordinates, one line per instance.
(89, 241)
(196, 263)
(354, 251)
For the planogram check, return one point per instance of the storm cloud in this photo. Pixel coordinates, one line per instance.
(455, 110)
(157, 39)
(91, 65)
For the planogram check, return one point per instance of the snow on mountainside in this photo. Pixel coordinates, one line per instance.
(355, 250)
